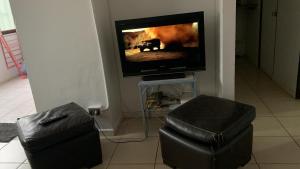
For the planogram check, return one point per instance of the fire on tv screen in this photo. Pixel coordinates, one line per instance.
(161, 43)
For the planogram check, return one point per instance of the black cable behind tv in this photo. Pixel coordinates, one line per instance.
(163, 76)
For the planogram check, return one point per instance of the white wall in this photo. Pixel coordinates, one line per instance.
(7, 74)
(130, 9)
(60, 41)
(226, 48)
(104, 29)
(61, 49)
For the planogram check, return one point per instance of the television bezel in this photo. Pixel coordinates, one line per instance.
(161, 66)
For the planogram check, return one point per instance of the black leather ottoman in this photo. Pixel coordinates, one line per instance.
(208, 133)
(71, 142)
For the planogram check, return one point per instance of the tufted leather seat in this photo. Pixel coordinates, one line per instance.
(211, 120)
(208, 133)
(69, 143)
(36, 137)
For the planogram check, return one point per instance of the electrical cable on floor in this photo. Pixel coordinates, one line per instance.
(125, 140)
(119, 141)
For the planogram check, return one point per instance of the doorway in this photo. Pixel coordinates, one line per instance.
(268, 38)
(268, 35)
(16, 98)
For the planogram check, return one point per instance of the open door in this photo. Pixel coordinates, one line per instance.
(287, 45)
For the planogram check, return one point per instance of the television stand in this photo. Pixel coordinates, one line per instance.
(164, 76)
(146, 86)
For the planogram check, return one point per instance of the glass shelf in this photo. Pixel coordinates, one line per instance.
(152, 101)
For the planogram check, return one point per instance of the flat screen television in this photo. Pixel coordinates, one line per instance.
(163, 44)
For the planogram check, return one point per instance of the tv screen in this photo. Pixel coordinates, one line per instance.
(164, 44)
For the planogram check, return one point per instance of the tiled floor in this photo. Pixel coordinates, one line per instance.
(15, 100)
(276, 132)
(277, 126)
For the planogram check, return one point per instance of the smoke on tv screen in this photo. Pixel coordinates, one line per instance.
(161, 43)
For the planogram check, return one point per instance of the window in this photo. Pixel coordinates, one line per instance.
(6, 18)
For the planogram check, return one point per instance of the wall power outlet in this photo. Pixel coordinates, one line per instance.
(94, 111)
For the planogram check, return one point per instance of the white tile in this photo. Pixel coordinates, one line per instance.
(159, 158)
(261, 109)
(101, 166)
(108, 149)
(135, 166)
(292, 124)
(9, 165)
(297, 139)
(12, 153)
(134, 127)
(9, 118)
(268, 126)
(131, 128)
(279, 166)
(250, 166)
(16, 100)
(276, 150)
(271, 143)
(266, 88)
(25, 166)
(293, 113)
(136, 153)
(162, 166)
(284, 107)
(2, 145)
(252, 161)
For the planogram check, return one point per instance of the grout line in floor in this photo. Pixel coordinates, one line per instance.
(292, 137)
(273, 136)
(266, 105)
(126, 164)
(276, 118)
(256, 162)
(156, 154)
(112, 154)
(5, 145)
(11, 162)
(21, 164)
(281, 163)
(11, 91)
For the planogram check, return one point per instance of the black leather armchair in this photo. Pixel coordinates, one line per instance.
(208, 133)
(69, 142)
